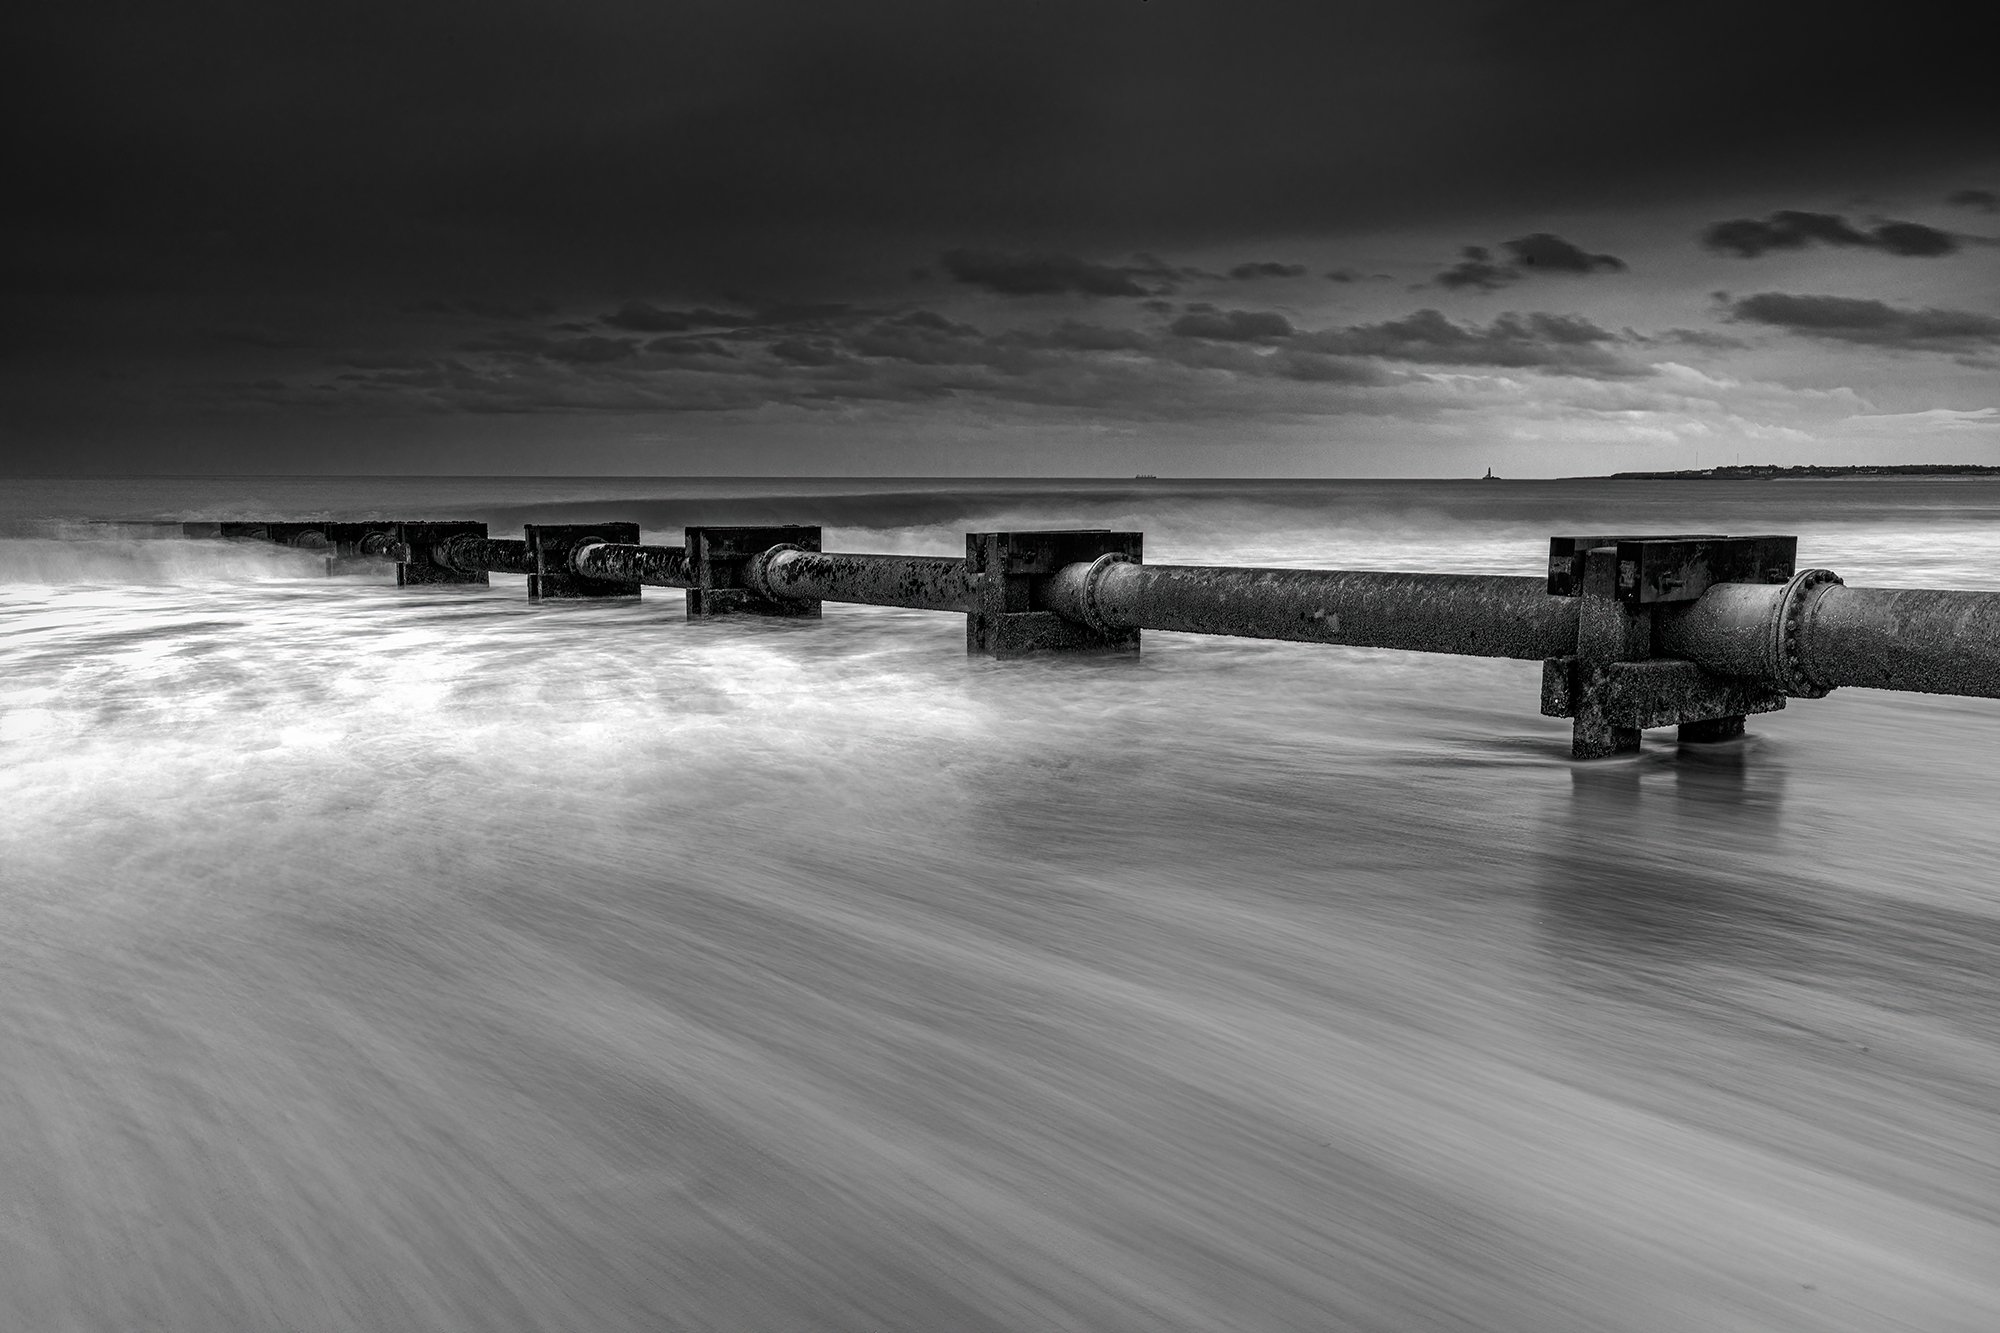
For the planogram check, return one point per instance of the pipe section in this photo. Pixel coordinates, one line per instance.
(1815, 634)
(470, 554)
(921, 582)
(657, 566)
(1475, 614)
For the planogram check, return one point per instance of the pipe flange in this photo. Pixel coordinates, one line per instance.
(455, 552)
(384, 545)
(756, 569)
(1093, 578)
(1788, 626)
(579, 556)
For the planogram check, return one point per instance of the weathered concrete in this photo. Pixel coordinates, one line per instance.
(552, 573)
(718, 585)
(365, 541)
(420, 564)
(1659, 570)
(1608, 634)
(1015, 605)
(1566, 556)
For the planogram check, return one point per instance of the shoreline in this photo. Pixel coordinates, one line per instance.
(1772, 472)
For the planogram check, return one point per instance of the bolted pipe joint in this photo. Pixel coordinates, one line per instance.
(718, 560)
(456, 552)
(1754, 631)
(1796, 605)
(1076, 591)
(423, 542)
(763, 573)
(1815, 634)
(382, 546)
(555, 573)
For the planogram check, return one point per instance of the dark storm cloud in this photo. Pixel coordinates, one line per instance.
(1873, 323)
(800, 352)
(706, 147)
(1536, 341)
(1038, 275)
(1547, 253)
(1986, 201)
(1789, 229)
(1541, 252)
(1081, 337)
(1476, 268)
(1248, 361)
(1706, 339)
(644, 317)
(1266, 269)
(1232, 325)
(592, 350)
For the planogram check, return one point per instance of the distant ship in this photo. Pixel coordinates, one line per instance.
(1145, 476)
(1489, 476)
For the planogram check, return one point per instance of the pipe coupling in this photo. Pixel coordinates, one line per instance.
(1092, 583)
(757, 570)
(1788, 628)
(581, 554)
(458, 552)
(384, 546)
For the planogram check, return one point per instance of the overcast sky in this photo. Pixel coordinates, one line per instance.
(1090, 237)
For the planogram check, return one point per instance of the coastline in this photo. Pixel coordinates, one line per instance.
(1772, 472)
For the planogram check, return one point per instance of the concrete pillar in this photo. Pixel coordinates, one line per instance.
(553, 577)
(716, 558)
(419, 567)
(1607, 631)
(1008, 571)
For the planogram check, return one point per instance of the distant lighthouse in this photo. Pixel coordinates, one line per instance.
(1489, 476)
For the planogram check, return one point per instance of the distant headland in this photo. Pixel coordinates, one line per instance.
(1772, 472)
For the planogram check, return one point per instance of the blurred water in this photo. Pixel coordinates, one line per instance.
(379, 959)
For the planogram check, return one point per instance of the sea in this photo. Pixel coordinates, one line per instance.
(409, 959)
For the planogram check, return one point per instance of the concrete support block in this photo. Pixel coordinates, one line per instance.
(304, 536)
(361, 547)
(716, 557)
(419, 567)
(1008, 571)
(554, 577)
(1608, 632)
(363, 540)
(1612, 686)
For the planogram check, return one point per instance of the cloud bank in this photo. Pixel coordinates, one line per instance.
(1789, 229)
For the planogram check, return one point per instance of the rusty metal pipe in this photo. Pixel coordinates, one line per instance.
(470, 554)
(921, 582)
(1479, 615)
(1815, 634)
(657, 566)
(382, 546)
